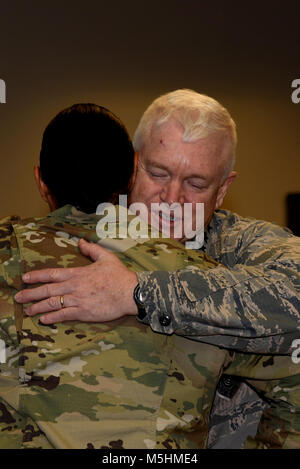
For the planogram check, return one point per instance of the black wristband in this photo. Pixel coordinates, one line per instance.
(139, 301)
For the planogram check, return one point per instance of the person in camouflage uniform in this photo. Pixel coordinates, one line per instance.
(91, 385)
(118, 384)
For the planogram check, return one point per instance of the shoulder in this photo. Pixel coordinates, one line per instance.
(225, 221)
(7, 223)
(6, 233)
(230, 237)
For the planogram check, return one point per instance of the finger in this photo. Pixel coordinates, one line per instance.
(49, 275)
(94, 251)
(65, 314)
(50, 304)
(42, 292)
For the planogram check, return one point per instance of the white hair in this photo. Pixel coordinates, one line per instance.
(199, 115)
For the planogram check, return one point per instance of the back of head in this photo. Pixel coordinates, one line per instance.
(86, 157)
(199, 115)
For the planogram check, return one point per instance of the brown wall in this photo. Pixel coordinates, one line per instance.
(124, 54)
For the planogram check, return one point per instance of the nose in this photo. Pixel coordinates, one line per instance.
(172, 192)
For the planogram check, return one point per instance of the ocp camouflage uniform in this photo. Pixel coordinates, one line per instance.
(115, 384)
(90, 385)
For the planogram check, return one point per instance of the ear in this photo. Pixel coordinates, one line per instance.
(39, 182)
(135, 167)
(224, 188)
(43, 189)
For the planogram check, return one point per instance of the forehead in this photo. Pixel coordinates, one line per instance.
(164, 147)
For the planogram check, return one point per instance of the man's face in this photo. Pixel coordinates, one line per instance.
(173, 171)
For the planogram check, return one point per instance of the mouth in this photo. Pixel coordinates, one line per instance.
(168, 217)
(170, 225)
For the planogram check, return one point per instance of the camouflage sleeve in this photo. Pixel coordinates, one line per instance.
(249, 302)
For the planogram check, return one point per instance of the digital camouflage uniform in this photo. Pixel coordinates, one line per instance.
(277, 380)
(235, 414)
(114, 385)
(252, 305)
(250, 302)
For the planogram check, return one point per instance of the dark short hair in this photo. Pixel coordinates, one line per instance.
(86, 157)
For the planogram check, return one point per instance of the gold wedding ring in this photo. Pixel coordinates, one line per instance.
(62, 301)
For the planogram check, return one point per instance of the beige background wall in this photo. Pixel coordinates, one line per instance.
(124, 54)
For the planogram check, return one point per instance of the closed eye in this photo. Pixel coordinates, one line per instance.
(197, 187)
(197, 184)
(157, 174)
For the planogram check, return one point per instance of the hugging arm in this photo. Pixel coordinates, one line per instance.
(249, 302)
